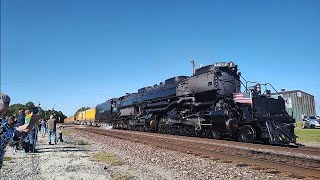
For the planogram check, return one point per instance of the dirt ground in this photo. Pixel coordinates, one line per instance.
(92, 157)
(67, 160)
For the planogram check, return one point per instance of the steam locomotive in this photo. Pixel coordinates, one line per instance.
(208, 104)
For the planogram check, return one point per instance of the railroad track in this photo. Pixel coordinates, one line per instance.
(303, 151)
(310, 149)
(298, 166)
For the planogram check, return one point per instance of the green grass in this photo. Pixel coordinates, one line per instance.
(307, 135)
(107, 158)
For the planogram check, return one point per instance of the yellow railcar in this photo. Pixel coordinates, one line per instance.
(72, 119)
(69, 119)
(90, 114)
(65, 120)
(80, 117)
(86, 117)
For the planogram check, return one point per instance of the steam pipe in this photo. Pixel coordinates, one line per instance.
(172, 104)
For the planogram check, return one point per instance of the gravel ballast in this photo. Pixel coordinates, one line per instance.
(85, 155)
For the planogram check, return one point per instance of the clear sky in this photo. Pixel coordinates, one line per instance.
(73, 53)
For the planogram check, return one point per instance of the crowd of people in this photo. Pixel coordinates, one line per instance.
(21, 131)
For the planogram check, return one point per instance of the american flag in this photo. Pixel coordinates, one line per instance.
(242, 98)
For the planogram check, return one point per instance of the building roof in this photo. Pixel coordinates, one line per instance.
(290, 92)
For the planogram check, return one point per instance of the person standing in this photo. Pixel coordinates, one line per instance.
(43, 127)
(52, 128)
(25, 140)
(26, 144)
(31, 138)
(9, 133)
(21, 118)
(20, 122)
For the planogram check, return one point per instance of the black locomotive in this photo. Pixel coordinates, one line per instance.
(208, 103)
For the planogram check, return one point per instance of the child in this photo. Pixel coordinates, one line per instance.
(59, 133)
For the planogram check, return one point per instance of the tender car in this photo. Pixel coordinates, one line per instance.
(311, 122)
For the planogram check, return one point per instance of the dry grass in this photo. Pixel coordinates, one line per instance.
(119, 176)
(66, 132)
(7, 158)
(82, 142)
(107, 158)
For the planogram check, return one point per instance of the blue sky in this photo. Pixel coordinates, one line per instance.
(74, 53)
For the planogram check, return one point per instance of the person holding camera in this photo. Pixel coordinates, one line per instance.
(9, 133)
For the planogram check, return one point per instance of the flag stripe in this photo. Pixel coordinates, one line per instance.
(239, 98)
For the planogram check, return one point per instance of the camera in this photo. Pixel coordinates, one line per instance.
(35, 110)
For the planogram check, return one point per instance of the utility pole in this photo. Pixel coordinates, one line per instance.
(193, 66)
(45, 109)
(39, 108)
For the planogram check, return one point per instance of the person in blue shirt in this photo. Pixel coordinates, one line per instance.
(9, 133)
(43, 127)
(20, 121)
(3, 121)
(20, 118)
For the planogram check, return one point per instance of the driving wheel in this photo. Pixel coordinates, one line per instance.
(247, 134)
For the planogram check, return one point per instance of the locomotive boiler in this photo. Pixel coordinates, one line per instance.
(209, 104)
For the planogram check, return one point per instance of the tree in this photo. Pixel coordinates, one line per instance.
(81, 109)
(15, 108)
(29, 105)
